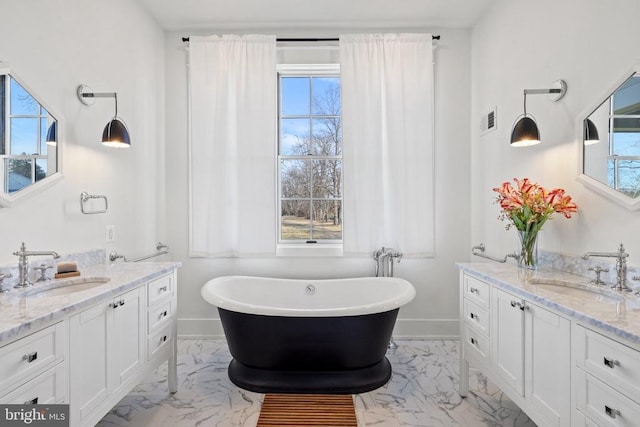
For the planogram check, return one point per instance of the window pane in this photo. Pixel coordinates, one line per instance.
(294, 140)
(295, 99)
(22, 103)
(326, 96)
(41, 169)
(327, 179)
(629, 176)
(327, 137)
(626, 144)
(327, 219)
(18, 174)
(24, 135)
(296, 224)
(295, 178)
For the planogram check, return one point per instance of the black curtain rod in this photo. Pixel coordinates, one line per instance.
(186, 39)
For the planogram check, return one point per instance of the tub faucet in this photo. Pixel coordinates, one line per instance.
(23, 265)
(621, 266)
(385, 257)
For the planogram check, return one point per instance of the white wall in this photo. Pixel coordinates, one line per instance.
(54, 46)
(434, 311)
(529, 44)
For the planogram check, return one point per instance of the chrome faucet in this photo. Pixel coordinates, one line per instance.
(23, 265)
(621, 266)
(385, 256)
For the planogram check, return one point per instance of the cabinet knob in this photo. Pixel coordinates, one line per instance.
(473, 316)
(612, 412)
(30, 357)
(473, 290)
(33, 401)
(164, 338)
(163, 289)
(121, 302)
(611, 362)
(474, 341)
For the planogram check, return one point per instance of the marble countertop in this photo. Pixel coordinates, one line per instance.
(611, 312)
(23, 311)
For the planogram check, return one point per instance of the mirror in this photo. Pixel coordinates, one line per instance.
(29, 135)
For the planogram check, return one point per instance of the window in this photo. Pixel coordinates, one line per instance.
(309, 156)
(23, 129)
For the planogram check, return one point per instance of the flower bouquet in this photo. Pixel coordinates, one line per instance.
(527, 206)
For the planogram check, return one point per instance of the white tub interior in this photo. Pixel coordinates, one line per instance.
(289, 297)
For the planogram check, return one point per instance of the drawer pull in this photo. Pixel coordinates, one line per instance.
(33, 401)
(612, 412)
(163, 314)
(474, 341)
(162, 289)
(611, 362)
(121, 302)
(163, 339)
(521, 305)
(30, 357)
(473, 316)
(473, 290)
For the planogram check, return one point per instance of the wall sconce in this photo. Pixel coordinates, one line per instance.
(525, 131)
(115, 133)
(52, 134)
(590, 133)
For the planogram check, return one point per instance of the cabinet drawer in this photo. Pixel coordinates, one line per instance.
(159, 340)
(48, 387)
(159, 315)
(612, 362)
(476, 345)
(160, 289)
(28, 356)
(476, 317)
(605, 406)
(476, 291)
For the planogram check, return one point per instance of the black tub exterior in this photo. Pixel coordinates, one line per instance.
(328, 355)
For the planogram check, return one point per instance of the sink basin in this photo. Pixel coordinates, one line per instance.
(65, 287)
(591, 292)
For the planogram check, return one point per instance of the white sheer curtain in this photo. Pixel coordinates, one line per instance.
(387, 97)
(232, 101)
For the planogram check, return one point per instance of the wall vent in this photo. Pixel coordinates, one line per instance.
(489, 121)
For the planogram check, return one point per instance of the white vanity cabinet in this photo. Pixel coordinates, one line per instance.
(113, 347)
(33, 369)
(107, 348)
(528, 352)
(607, 381)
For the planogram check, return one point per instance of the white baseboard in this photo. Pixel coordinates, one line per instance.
(211, 329)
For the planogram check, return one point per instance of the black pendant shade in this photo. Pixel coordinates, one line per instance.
(590, 133)
(52, 134)
(525, 132)
(116, 134)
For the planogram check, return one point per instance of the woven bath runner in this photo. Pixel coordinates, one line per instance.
(318, 410)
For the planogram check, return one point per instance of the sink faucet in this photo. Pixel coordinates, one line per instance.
(621, 266)
(23, 265)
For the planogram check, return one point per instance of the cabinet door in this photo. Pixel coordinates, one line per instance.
(508, 339)
(548, 364)
(126, 338)
(88, 360)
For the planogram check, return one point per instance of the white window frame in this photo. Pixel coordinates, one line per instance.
(293, 248)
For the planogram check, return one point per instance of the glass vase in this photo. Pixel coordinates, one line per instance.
(528, 250)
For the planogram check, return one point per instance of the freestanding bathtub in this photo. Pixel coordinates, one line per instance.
(308, 336)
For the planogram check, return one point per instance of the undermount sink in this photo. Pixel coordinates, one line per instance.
(65, 287)
(568, 288)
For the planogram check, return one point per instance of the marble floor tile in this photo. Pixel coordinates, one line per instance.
(422, 393)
